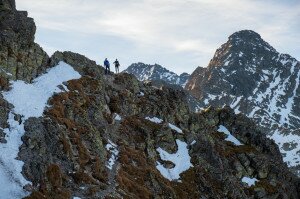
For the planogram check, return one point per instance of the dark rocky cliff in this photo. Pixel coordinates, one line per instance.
(20, 57)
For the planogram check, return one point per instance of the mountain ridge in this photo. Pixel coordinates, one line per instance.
(253, 78)
(112, 136)
(156, 72)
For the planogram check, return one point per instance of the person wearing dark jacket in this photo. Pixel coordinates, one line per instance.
(117, 64)
(107, 66)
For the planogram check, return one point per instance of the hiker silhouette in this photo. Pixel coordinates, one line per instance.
(107, 66)
(117, 64)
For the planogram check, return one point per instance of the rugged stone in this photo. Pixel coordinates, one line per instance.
(81, 63)
(7, 5)
(4, 111)
(20, 57)
(2, 137)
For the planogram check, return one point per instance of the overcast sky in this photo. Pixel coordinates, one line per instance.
(178, 34)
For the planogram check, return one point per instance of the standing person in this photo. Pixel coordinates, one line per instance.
(107, 65)
(117, 64)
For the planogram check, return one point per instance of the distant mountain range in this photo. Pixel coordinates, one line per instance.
(157, 72)
(249, 75)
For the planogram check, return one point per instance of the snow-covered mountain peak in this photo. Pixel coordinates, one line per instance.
(245, 49)
(156, 73)
(250, 76)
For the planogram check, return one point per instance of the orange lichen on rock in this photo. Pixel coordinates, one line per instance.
(134, 173)
(83, 177)
(4, 83)
(53, 188)
(54, 176)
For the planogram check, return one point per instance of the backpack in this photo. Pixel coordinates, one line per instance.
(106, 63)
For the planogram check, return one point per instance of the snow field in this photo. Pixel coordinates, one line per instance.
(29, 100)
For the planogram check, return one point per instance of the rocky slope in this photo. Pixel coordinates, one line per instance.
(250, 76)
(96, 141)
(161, 77)
(116, 137)
(157, 73)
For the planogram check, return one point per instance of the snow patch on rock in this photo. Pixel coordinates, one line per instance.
(249, 181)
(117, 117)
(112, 148)
(175, 128)
(230, 138)
(181, 160)
(154, 120)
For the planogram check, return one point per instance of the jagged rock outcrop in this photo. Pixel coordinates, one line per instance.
(7, 5)
(161, 77)
(157, 73)
(81, 63)
(20, 57)
(249, 75)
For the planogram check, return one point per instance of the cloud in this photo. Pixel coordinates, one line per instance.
(163, 30)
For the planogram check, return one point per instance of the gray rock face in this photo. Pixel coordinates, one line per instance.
(156, 73)
(20, 57)
(7, 5)
(249, 75)
(81, 63)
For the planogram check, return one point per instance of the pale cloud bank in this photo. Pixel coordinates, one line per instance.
(178, 34)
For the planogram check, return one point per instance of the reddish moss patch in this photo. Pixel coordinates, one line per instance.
(66, 146)
(84, 156)
(82, 177)
(36, 195)
(98, 171)
(189, 187)
(114, 104)
(53, 188)
(134, 173)
(4, 83)
(231, 150)
(54, 176)
(108, 117)
(132, 127)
